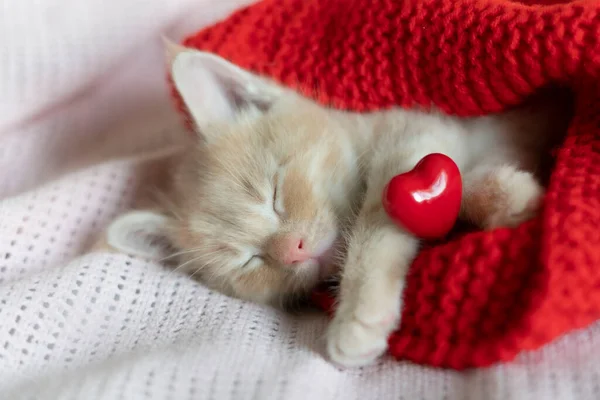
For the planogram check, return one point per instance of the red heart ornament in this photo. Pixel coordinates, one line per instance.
(425, 200)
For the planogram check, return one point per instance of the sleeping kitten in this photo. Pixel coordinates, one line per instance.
(277, 187)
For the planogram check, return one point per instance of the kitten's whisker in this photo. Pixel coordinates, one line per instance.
(208, 261)
(186, 263)
(194, 273)
(179, 253)
(191, 260)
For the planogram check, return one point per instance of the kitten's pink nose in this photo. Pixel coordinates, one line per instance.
(288, 249)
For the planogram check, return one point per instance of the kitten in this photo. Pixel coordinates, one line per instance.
(276, 187)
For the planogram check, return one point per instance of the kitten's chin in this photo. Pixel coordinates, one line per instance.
(328, 264)
(323, 266)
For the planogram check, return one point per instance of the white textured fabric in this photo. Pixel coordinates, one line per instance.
(81, 82)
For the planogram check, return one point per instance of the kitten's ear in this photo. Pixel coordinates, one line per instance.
(215, 90)
(140, 233)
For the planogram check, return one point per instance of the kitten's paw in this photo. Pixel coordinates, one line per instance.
(519, 199)
(353, 341)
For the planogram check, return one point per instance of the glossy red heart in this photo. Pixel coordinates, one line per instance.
(426, 200)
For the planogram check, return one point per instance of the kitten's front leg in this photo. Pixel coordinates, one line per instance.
(379, 255)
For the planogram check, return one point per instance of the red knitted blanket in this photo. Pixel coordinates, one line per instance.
(480, 297)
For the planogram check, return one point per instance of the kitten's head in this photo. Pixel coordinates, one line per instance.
(256, 202)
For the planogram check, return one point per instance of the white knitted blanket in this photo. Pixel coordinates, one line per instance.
(81, 87)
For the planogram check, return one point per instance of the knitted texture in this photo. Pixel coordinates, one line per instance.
(480, 297)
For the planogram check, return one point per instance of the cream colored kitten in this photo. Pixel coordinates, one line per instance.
(276, 184)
